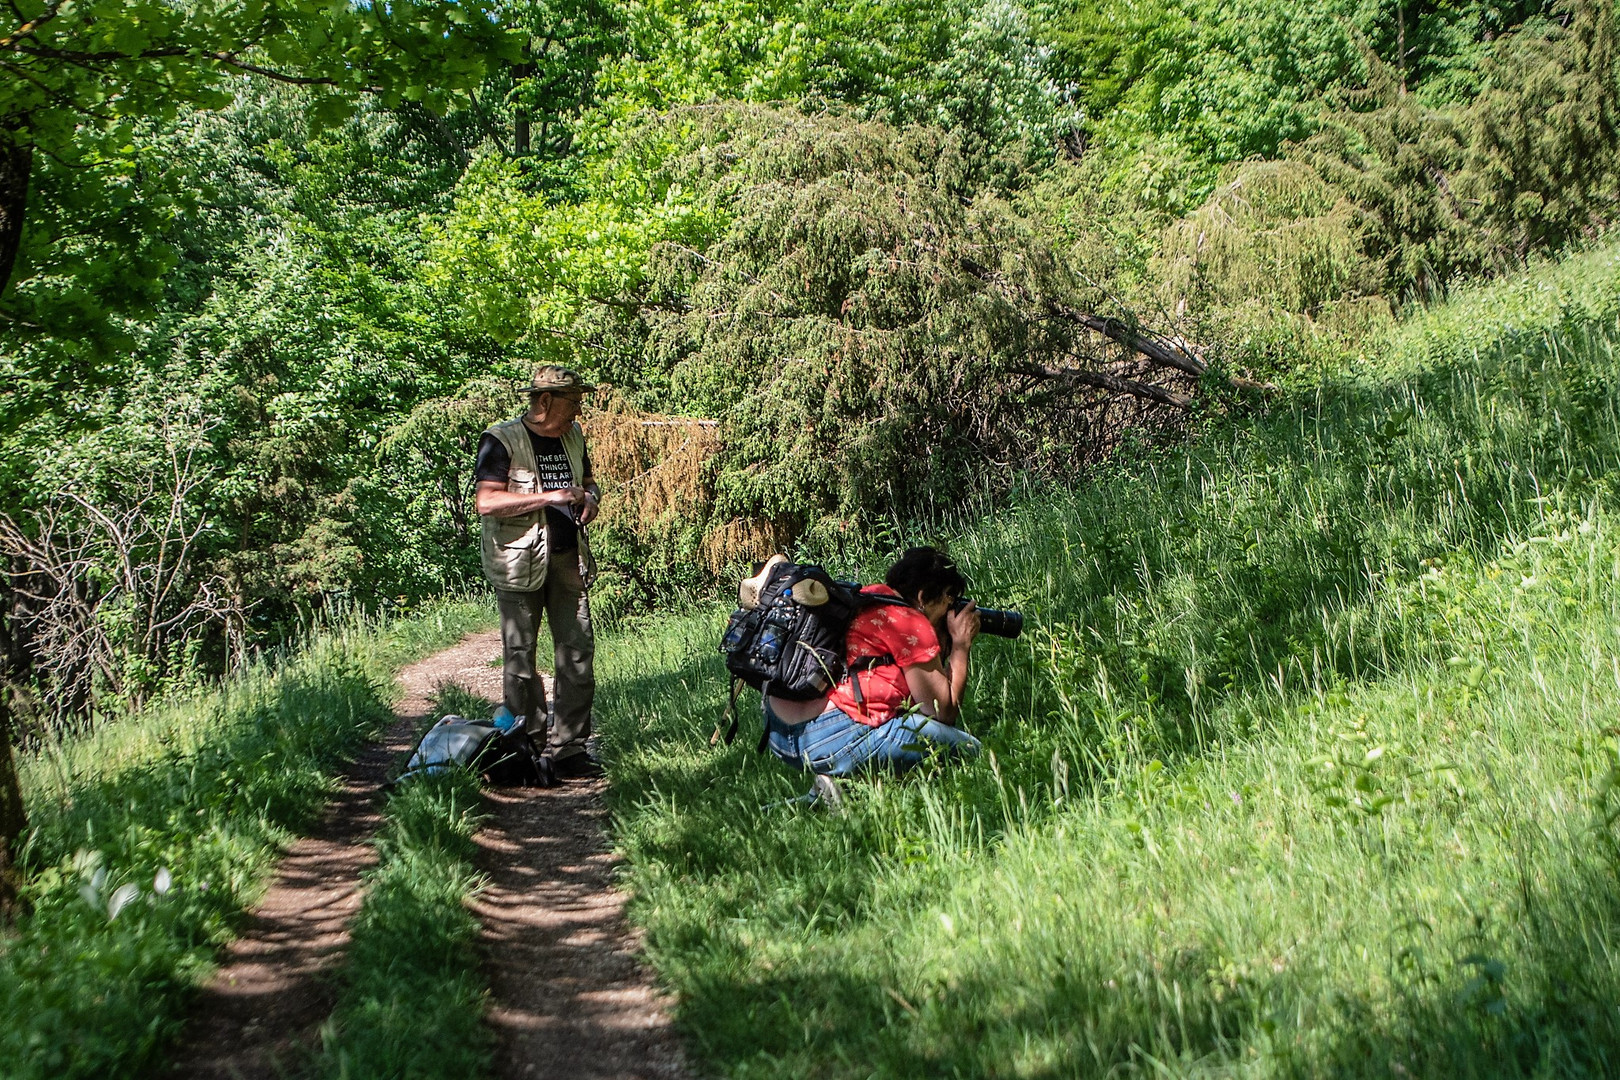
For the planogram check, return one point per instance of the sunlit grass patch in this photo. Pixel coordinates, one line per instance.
(412, 1002)
(1479, 320)
(413, 988)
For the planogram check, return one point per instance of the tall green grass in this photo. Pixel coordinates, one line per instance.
(1481, 320)
(151, 836)
(1307, 766)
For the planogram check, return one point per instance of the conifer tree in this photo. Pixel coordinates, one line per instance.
(1528, 165)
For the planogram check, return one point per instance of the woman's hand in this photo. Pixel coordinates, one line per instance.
(963, 624)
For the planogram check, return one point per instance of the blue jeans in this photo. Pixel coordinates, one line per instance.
(836, 744)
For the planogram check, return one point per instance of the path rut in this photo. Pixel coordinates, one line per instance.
(572, 999)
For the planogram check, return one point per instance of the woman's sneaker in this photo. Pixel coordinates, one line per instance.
(824, 793)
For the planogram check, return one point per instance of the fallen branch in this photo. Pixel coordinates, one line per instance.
(1175, 354)
(1120, 331)
(1104, 381)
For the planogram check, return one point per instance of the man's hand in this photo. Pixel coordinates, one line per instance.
(963, 624)
(566, 497)
(589, 508)
(491, 497)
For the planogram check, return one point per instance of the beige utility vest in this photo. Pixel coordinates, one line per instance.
(516, 550)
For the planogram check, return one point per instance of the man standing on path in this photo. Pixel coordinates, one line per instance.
(535, 495)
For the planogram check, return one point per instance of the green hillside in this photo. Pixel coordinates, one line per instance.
(1306, 766)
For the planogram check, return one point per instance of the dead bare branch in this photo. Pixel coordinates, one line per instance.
(1102, 380)
(1165, 351)
(110, 581)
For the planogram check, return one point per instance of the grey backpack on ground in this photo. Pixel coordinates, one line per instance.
(502, 758)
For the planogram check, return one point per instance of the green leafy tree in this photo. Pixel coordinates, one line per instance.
(296, 319)
(971, 67)
(314, 338)
(526, 268)
(554, 80)
(81, 80)
(79, 85)
(1220, 81)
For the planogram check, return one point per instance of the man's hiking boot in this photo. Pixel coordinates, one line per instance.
(545, 771)
(578, 767)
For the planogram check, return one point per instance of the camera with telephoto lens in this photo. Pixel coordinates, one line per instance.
(994, 621)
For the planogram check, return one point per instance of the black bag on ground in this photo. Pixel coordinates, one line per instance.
(787, 637)
(510, 760)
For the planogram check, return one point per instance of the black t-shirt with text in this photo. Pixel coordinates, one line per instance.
(494, 463)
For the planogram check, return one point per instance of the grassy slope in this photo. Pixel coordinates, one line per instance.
(1305, 768)
(206, 788)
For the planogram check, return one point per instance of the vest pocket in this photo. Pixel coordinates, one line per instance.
(519, 532)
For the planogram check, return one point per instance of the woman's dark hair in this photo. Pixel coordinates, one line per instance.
(927, 571)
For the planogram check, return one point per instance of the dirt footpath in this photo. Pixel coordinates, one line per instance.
(259, 1018)
(570, 995)
(572, 999)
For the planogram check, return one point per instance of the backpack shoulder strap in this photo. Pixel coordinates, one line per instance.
(730, 714)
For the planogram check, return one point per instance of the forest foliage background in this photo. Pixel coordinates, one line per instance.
(891, 254)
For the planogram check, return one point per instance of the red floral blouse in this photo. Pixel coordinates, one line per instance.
(885, 629)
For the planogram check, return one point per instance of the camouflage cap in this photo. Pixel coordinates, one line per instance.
(549, 378)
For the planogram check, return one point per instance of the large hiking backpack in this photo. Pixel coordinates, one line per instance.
(503, 758)
(787, 637)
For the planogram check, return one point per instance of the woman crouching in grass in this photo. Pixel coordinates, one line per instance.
(901, 698)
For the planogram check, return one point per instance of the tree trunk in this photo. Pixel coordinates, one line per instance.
(520, 134)
(13, 817)
(520, 118)
(16, 162)
(1400, 42)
